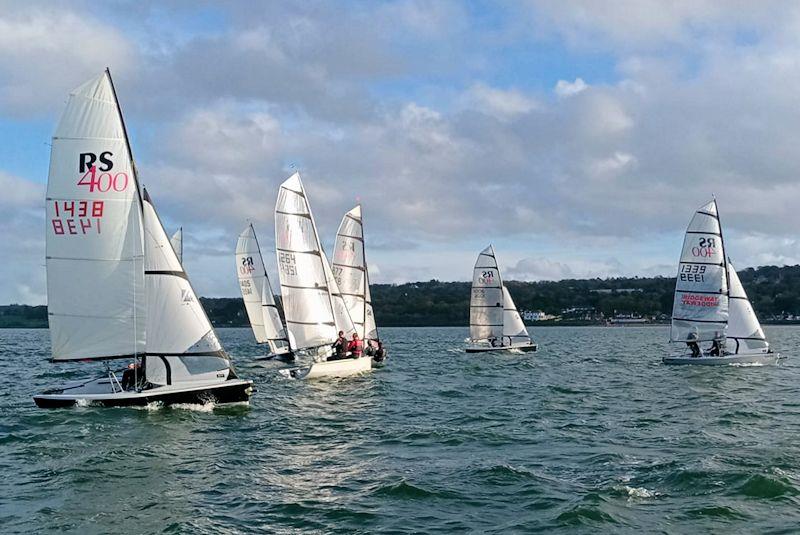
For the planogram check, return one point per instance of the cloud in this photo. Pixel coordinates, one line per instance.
(566, 89)
(424, 113)
(45, 48)
(22, 223)
(503, 104)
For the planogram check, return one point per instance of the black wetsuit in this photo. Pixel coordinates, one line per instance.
(339, 349)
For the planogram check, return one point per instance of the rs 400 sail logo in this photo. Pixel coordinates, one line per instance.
(705, 248)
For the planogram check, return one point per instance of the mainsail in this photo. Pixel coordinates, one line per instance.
(257, 292)
(95, 277)
(700, 308)
(177, 244)
(744, 331)
(303, 270)
(514, 331)
(352, 277)
(486, 301)
(115, 285)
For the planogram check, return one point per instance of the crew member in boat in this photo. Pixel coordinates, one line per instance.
(356, 346)
(375, 350)
(717, 346)
(129, 375)
(339, 347)
(692, 343)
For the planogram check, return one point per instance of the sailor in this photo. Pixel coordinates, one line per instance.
(380, 353)
(493, 341)
(717, 346)
(356, 346)
(129, 375)
(339, 347)
(692, 343)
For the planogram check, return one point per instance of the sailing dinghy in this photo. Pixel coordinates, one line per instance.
(711, 304)
(115, 287)
(177, 244)
(494, 322)
(313, 304)
(259, 302)
(352, 278)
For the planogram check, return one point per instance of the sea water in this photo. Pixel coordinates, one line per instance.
(591, 433)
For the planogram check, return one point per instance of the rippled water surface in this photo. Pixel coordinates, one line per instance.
(590, 433)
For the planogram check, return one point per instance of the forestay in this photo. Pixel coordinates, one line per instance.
(486, 300)
(257, 294)
(350, 270)
(95, 277)
(745, 334)
(514, 331)
(700, 308)
(307, 302)
(177, 244)
(181, 343)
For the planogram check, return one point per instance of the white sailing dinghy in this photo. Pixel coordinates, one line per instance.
(494, 322)
(711, 304)
(115, 288)
(177, 244)
(259, 302)
(313, 305)
(352, 277)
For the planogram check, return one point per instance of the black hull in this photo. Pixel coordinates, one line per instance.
(234, 393)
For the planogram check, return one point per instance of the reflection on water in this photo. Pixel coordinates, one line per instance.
(590, 433)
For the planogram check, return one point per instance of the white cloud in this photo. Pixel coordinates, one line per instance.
(44, 49)
(503, 104)
(566, 89)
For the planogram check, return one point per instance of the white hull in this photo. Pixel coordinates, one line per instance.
(725, 360)
(103, 392)
(330, 368)
(525, 348)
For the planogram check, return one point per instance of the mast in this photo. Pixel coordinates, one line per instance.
(141, 207)
(725, 259)
(127, 141)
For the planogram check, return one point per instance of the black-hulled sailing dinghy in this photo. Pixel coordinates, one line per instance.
(494, 322)
(115, 286)
(711, 304)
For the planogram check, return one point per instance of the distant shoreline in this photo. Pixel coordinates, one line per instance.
(532, 325)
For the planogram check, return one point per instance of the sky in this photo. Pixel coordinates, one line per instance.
(578, 137)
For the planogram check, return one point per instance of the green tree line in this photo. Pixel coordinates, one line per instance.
(774, 292)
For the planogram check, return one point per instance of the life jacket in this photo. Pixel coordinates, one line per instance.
(356, 347)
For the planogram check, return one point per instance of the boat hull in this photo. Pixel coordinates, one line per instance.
(526, 348)
(330, 368)
(726, 360)
(231, 391)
